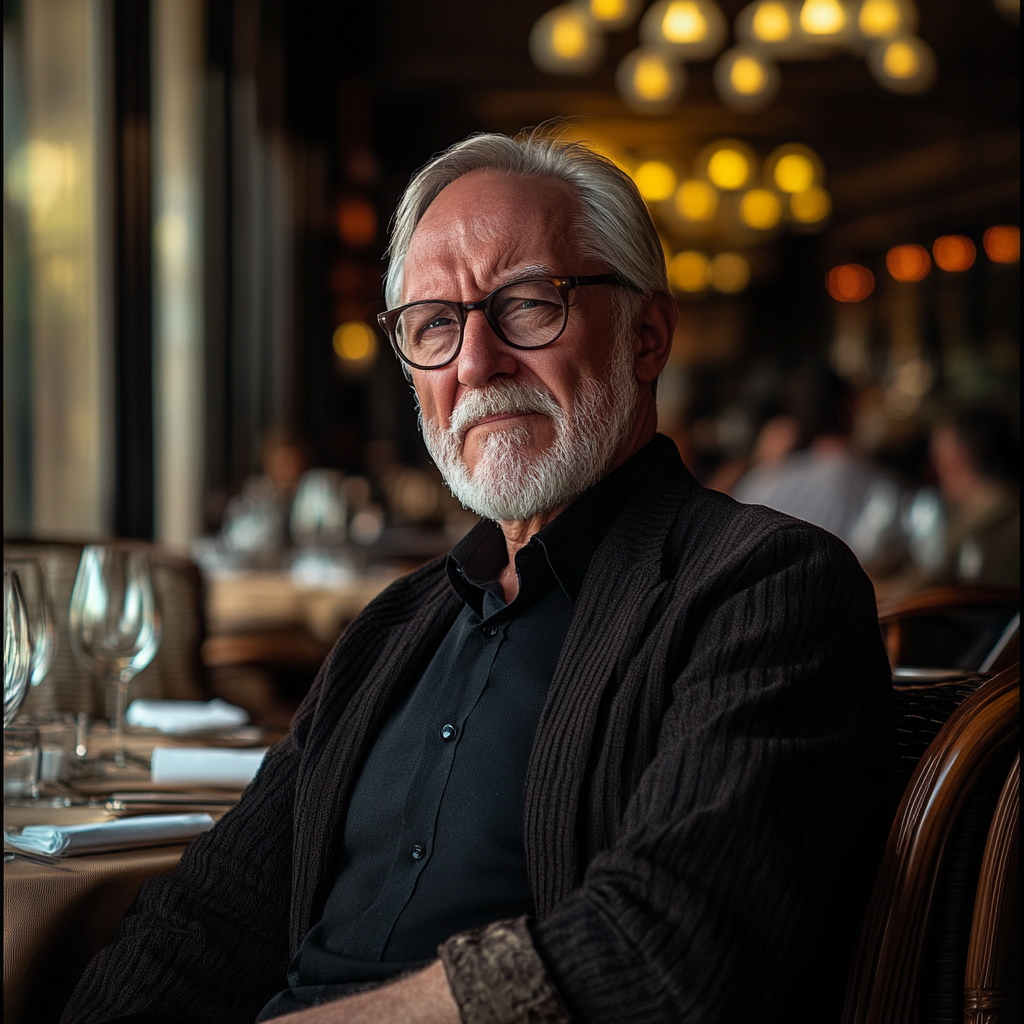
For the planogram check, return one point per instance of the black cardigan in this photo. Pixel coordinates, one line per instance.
(707, 795)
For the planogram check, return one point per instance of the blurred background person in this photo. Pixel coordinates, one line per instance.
(804, 462)
(977, 461)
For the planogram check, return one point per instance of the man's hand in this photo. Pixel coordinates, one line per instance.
(422, 998)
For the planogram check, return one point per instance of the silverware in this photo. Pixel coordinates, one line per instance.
(35, 858)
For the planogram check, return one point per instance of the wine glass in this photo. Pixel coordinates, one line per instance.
(40, 614)
(114, 624)
(17, 646)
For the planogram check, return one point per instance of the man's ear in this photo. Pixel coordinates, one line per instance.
(654, 336)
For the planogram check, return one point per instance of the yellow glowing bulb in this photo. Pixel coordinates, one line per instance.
(822, 17)
(771, 23)
(684, 22)
(697, 201)
(568, 37)
(608, 10)
(761, 209)
(879, 18)
(794, 173)
(655, 180)
(690, 271)
(901, 60)
(748, 76)
(729, 272)
(651, 79)
(729, 169)
(354, 342)
(810, 206)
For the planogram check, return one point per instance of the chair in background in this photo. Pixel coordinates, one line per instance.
(177, 670)
(936, 937)
(965, 627)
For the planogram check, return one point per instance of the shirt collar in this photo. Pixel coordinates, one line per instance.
(568, 542)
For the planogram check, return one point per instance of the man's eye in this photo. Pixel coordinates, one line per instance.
(438, 322)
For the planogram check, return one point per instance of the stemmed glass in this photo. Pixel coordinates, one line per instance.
(40, 614)
(17, 646)
(114, 624)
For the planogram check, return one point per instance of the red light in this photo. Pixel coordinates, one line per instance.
(850, 283)
(1002, 244)
(954, 253)
(908, 262)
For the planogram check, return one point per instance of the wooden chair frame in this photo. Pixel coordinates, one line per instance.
(884, 980)
(892, 612)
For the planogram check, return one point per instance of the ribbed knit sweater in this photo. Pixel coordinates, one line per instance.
(706, 800)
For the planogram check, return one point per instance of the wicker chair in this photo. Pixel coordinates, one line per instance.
(176, 671)
(935, 939)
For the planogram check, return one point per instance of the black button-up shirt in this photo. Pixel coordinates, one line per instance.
(433, 839)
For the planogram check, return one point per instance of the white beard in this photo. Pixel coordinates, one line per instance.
(511, 484)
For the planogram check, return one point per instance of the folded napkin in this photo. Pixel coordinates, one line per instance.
(205, 765)
(105, 836)
(180, 717)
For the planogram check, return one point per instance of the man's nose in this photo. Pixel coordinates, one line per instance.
(484, 355)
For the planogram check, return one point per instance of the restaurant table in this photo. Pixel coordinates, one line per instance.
(57, 916)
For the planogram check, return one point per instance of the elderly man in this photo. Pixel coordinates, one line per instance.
(624, 755)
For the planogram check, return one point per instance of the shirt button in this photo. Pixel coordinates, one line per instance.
(417, 852)
(489, 631)
(448, 731)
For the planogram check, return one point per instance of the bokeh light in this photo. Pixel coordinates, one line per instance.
(810, 206)
(904, 64)
(729, 168)
(882, 19)
(729, 273)
(611, 15)
(745, 79)
(649, 82)
(823, 18)
(908, 262)
(697, 201)
(655, 180)
(684, 22)
(771, 23)
(850, 282)
(355, 342)
(357, 222)
(748, 76)
(688, 29)
(794, 172)
(760, 209)
(689, 271)
(1002, 243)
(566, 41)
(954, 253)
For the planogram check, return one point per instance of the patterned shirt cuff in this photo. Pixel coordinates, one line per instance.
(497, 977)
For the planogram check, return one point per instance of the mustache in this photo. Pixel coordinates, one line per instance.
(501, 398)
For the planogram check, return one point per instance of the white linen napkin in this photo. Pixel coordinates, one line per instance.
(205, 765)
(181, 717)
(106, 836)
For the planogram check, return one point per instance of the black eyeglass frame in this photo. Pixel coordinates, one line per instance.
(389, 318)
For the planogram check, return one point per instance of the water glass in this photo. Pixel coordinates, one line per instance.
(21, 763)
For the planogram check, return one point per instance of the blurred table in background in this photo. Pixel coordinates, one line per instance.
(268, 632)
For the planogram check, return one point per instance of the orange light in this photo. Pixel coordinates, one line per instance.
(357, 222)
(954, 252)
(850, 283)
(908, 262)
(1002, 244)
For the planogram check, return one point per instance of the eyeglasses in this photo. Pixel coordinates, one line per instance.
(524, 314)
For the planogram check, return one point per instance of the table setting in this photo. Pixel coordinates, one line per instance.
(94, 808)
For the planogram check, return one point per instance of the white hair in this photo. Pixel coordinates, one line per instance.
(614, 224)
